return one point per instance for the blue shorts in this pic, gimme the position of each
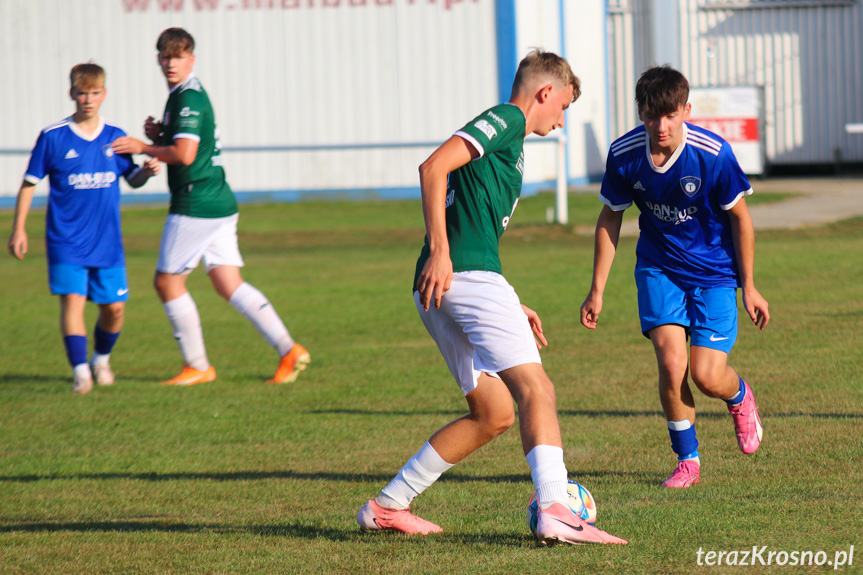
(99, 285)
(709, 315)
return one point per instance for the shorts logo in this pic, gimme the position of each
(122, 292)
(690, 185)
(486, 128)
(714, 338)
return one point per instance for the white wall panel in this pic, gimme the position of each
(279, 72)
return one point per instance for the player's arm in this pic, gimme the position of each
(436, 275)
(150, 168)
(605, 241)
(181, 153)
(536, 326)
(743, 235)
(18, 243)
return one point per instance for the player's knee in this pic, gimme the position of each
(708, 379)
(114, 313)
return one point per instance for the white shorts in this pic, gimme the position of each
(480, 327)
(187, 240)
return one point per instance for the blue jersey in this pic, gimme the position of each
(685, 230)
(82, 225)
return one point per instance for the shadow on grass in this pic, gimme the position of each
(265, 475)
(587, 413)
(294, 530)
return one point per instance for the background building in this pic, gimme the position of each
(347, 97)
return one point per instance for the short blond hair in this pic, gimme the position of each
(539, 64)
(87, 76)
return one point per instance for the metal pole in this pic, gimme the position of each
(560, 194)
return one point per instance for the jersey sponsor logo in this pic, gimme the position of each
(217, 161)
(497, 119)
(187, 111)
(71, 154)
(690, 185)
(93, 181)
(519, 165)
(450, 198)
(486, 128)
(108, 151)
(666, 213)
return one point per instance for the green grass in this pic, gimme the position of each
(241, 477)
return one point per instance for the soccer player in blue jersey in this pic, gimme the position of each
(82, 231)
(696, 247)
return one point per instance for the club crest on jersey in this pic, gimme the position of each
(108, 151)
(690, 185)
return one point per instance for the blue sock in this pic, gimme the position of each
(104, 340)
(738, 397)
(683, 440)
(76, 349)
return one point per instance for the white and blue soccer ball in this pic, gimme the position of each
(581, 502)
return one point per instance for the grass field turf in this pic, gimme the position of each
(241, 477)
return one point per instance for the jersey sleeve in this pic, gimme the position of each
(191, 108)
(731, 183)
(494, 129)
(38, 166)
(614, 192)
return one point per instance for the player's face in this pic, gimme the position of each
(554, 106)
(88, 101)
(176, 67)
(666, 132)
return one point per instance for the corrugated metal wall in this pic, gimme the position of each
(280, 73)
(806, 56)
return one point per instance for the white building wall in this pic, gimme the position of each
(805, 55)
(295, 74)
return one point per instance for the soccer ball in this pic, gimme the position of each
(580, 501)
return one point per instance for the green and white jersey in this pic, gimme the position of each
(482, 195)
(200, 189)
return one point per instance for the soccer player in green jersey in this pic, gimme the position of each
(202, 220)
(470, 187)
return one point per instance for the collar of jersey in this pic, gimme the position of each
(673, 157)
(183, 84)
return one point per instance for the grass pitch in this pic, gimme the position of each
(241, 477)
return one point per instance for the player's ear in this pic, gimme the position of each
(687, 111)
(544, 93)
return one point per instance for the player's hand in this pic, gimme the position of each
(153, 129)
(756, 307)
(590, 310)
(152, 167)
(18, 244)
(536, 326)
(435, 280)
(127, 145)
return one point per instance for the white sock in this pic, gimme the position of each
(100, 359)
(256, 308)
(82, 370)
(416, 476)
(549, 474)
(183, 315)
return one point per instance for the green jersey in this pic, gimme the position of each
(482, 195)
(200, 189)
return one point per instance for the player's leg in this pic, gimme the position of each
(69, 283)
(109, 289)
(675, 395)
(713, 337)
(223, 262)
(184, 240)
(75, 340)
(663, 309)
(491, 413)
(541, 440)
